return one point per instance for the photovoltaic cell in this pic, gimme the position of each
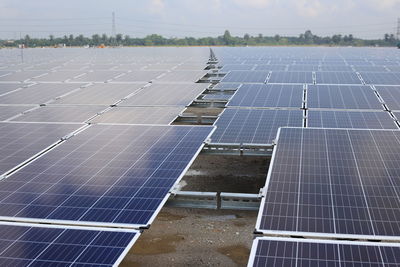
(39, 93)
(191, 76)
(390, 95)
(297, 252)
(381, 78)
(253, 126)
(291, 77)
(350, 119)
(218, 96)
(98, 76)
(139, 115)
(7, 112)
(100, 94)
(342, 97)
(139, 76)
(8, 87)
(58, 76)
(271, 67)
(245, 77)
(230, 67)
(166, 94)
(57, 113)
(267, 95)
(333, 77)
(107, 174)
(20, 141)
(45, 245)
(333, 183)
(21, 76)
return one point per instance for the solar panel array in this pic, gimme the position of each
(295, 252)
(47, 245)
(85, 139)
(334, 178)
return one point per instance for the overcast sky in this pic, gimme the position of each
(178, 18)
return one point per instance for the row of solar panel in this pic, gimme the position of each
(303, 77)
(310, 96)
(260, 126)
(311, 66)
(188, 76)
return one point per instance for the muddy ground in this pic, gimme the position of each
(195, 237)
(200, 237)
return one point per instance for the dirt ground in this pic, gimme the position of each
(234, 174)
(195, 237)
(200, 237)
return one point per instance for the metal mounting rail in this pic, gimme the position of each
(214, 200)
(209, 103)
(199, 119)
(238, 149)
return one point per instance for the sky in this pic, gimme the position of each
(198, 18)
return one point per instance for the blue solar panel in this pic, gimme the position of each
(350, 119)
(291, 77)
(390, 95)
(268, 95)
(342, 97)
(269, 251)
(253, 126)
(230, 67)
(246, 77)
(381, 78)
(47, 245)
(333, 183)
(271, 67)
(337, 78)
(105, 174)
(21, 141)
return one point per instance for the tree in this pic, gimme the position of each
(118, 38)
(246, 38)
(336, 39)
(27, 40)
(277, 38)
(96, 39)
(227, 38)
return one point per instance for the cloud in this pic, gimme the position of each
(253, 3)
(310, 8)
(383, 4)
(156, 6)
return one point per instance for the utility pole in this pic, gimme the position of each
(398, 29)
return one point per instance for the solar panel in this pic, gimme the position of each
(98, 76)
(20, 141)
(56, 113)
(253, 126)
(8, 87)
(166, 94)
(269, 251)
(340, 68)
(350, 119)
(100, 94)
(7, 112)
(139, 115)
(230, 67)
(333, 183)
(390, 95)
(342, 97)
(381, 78)
(245, 77)
(48, 245)
(38, 93)
(337, 78)
(139, 76)
(105, 175)
(21, 76)
(371, 68)
(302, 68)
(226, 86)
(183, 76)
(267, 95)
(291, 77)
(58, 76)
(271, 67)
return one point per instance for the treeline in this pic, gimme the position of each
(307, 38)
